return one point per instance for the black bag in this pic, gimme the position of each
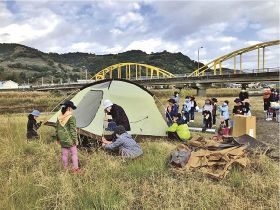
(180, 158)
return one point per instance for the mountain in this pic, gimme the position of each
(21, 63)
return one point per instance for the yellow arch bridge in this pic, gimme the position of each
(138, 71)
(132, 71)
(216, 65)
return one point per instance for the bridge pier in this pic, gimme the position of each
(201, 89)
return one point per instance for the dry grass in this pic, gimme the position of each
(16, 102)
(31, 177)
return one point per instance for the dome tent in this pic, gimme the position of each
(138, 103)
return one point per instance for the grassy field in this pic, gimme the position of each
(31, 177)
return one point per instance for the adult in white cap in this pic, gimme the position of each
(118, 114)
(32, 125)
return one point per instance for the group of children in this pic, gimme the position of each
(211, 110)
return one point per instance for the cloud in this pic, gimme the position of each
(115, 26)
(152, 45)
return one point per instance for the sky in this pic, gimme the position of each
(104, 27)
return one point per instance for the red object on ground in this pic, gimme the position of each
(226, 131)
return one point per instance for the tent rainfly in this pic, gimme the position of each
(138, 103)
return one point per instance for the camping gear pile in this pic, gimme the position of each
(215, 157)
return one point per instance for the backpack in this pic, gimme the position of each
(180, 158)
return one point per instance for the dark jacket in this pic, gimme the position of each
(237, 110)
(32, 127)
(119, 116)
(169, 115)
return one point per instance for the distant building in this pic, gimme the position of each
(8, 85)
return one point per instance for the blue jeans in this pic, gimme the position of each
(111, 126)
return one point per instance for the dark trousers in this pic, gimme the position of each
(173, 135)
(207, 122)
(214, 119)
(266, 104)
(192, 113)
(226, 121)
(187, 116)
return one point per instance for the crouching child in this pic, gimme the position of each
(179, 130)
(124, 143)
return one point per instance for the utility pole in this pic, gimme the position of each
(52, 80)
(42, 81)
(61, 81)
(198, 57)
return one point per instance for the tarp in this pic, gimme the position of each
(138, 103)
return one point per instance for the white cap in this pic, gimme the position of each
(107, 103)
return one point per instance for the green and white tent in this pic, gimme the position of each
(138, 103)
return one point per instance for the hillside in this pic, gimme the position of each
(21, 63)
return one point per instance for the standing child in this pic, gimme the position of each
(187, 109)
(214, 111)
(171, 110)
(193, 108)
(32, 125)
(224, 113)
(67, 134)
(207, 114)
(176, 97)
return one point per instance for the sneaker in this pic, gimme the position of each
(191, 120)
(214, 126)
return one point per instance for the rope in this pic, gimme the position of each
(48, 112)
(140, 120)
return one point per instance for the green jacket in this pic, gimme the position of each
(67, 134)
(182, 130)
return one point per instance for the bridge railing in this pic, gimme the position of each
(244, 71)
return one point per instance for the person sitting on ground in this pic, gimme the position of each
(66, 132)
(207, 114)
(243, 94)
(124, 143)
(118, 114)
(32, 125)
(179, 130)
(186, 110)
(214, 102)
(171, 110)
(224, 113)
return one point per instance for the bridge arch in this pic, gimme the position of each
(132, 71)
(216, 64)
